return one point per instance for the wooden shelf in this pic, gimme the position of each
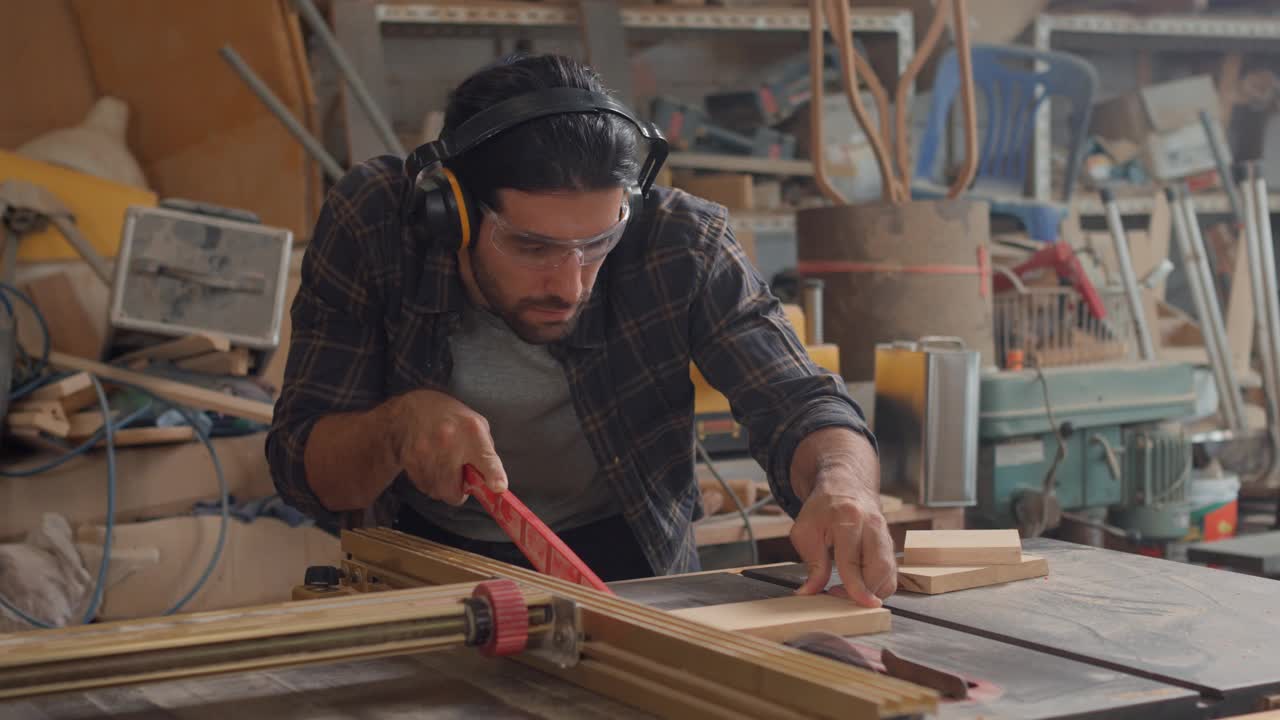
(1088, 204)
(739, 163)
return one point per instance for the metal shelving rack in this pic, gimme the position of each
(1180, 32)
(479, 15)
(524, 14)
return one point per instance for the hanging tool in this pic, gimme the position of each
(896, 184)
(1186, 232)
(1062, 258)
(1146, 349)
(545, 550)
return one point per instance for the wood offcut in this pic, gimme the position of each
(962, 547)
(783, 618)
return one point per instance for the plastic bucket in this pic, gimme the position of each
(1215, 505)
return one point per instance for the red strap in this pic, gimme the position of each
(547, 552)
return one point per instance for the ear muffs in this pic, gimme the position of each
(445, 206)
(448, 211)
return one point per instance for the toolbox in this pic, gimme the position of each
(185, 268)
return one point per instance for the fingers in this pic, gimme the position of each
(434, 459)
(849, 561)
(879, 564)
(811, 544)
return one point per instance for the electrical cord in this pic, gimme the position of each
(107, 432)
(746, 520)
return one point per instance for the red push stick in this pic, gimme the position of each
(547, 552)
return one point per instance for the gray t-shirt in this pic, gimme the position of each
(522, 391)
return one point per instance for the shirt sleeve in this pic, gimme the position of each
(744, 345)
(337, 347)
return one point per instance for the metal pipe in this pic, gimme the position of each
(1203, 293)
(1146, 349)
(813, 288)
(321, 29)
(277, 108)
(1263, 319)
(1220, 159)
(1179, 222)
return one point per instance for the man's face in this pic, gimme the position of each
(540, 304)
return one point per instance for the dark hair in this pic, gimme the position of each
(576, 151)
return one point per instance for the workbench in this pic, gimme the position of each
(1106, 634)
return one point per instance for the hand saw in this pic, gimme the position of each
(546, 551)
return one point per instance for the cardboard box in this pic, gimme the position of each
(733, 190)
(156, 563)
(1164, 120)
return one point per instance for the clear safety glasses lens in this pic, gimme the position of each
(542, 252)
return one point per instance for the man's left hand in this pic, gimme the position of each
(841, 520)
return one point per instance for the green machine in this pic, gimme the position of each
(1127, 461)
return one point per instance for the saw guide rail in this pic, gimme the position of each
(655, 660)
(638, 655)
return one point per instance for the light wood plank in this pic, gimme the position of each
(182, 393)
(72, 392)
(936, 580)
(962, 547)
(231, 362)
(179, 348)
(781, 619)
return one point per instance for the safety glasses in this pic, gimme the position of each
(545, 253)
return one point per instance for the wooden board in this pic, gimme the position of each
(195, 127)
(72, 392)
(179, 348)
(783, 618)
(189, 395)
(962, 547)
(229, 362)
(936, 580)
(739, 163)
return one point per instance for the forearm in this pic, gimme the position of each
(350, 458)
(836, 454)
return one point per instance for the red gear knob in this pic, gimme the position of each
(510, 617)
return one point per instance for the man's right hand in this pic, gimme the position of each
(434, 436)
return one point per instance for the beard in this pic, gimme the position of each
(514, 311)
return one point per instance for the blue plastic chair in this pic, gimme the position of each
(1011, 90)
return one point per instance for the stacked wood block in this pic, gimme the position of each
(203, 352)
(939, 561)
(67, 411)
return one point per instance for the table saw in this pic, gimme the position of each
(1106, 634)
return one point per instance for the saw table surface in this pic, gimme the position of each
(1106, 634)
(1207, 630)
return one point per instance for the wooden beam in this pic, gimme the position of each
(783, 618)
(177, 392)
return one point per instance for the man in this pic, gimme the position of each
(549, 348)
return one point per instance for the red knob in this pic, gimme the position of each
(510, 617)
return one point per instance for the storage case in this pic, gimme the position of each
(181, 272)
(926, 420)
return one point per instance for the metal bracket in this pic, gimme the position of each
(562, 645)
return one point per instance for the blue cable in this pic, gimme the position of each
(108, 431)
(99, 586)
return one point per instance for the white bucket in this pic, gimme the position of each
(1214, 500)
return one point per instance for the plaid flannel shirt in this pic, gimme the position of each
(379, 300)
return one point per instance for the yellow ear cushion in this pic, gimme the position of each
(464, 212)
